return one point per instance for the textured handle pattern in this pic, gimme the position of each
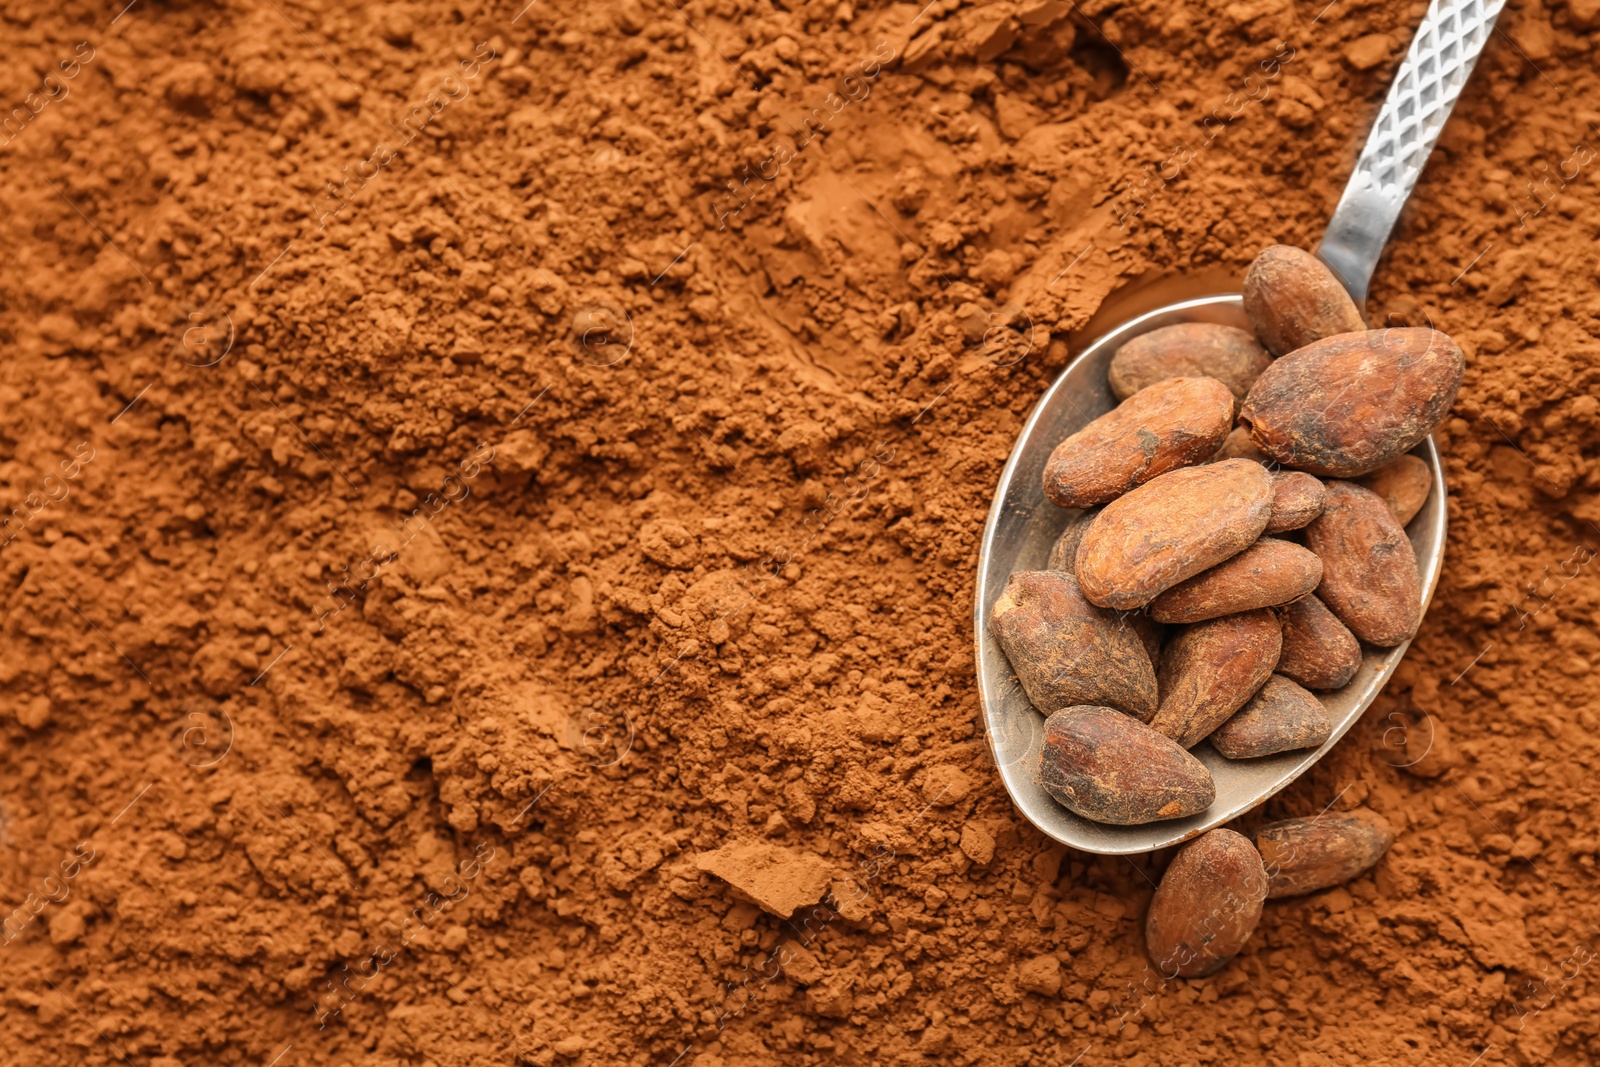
(1441, 58)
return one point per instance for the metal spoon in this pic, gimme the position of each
(1023, 525)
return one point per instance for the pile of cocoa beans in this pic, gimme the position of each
(1238, 533)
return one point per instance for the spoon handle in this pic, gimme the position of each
(1442, 55)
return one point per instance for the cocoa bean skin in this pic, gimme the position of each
(1207, 905)
(1065, 550)
(1066, 651)
(1282, 717)
(1237, 445)
(1168, 425)
(1349, 404)
(1188, 350)
(1210, 669)
(1111, 768)
(1268, 573)
(1403, 484)
(1172, 528)
(1151, 633)
(1369, 569)
(1292, 299)
(1319, 651)
(1297, 498)
(1305, 855)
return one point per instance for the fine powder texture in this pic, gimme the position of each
(491, 499)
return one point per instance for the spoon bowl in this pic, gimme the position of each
(1022, 527)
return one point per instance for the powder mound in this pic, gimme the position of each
(777, 879)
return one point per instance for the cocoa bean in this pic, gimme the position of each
(1292, 299)
(1305, 855)
(1065, 551)
(1349, 404)
(1188, 350)
(1403, 485)
(1112, 768)
(1297, 498)
(1268, 573)
(1281, 717)
(1207, 905)
(1210, 669)
(1319, 651)
(1369, 570)
(1172, 528)
(1067, 651)
(1169, 425)
(1237, 445)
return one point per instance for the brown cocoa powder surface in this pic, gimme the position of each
(743, 441)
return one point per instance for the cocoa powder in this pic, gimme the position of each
(688, 607)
